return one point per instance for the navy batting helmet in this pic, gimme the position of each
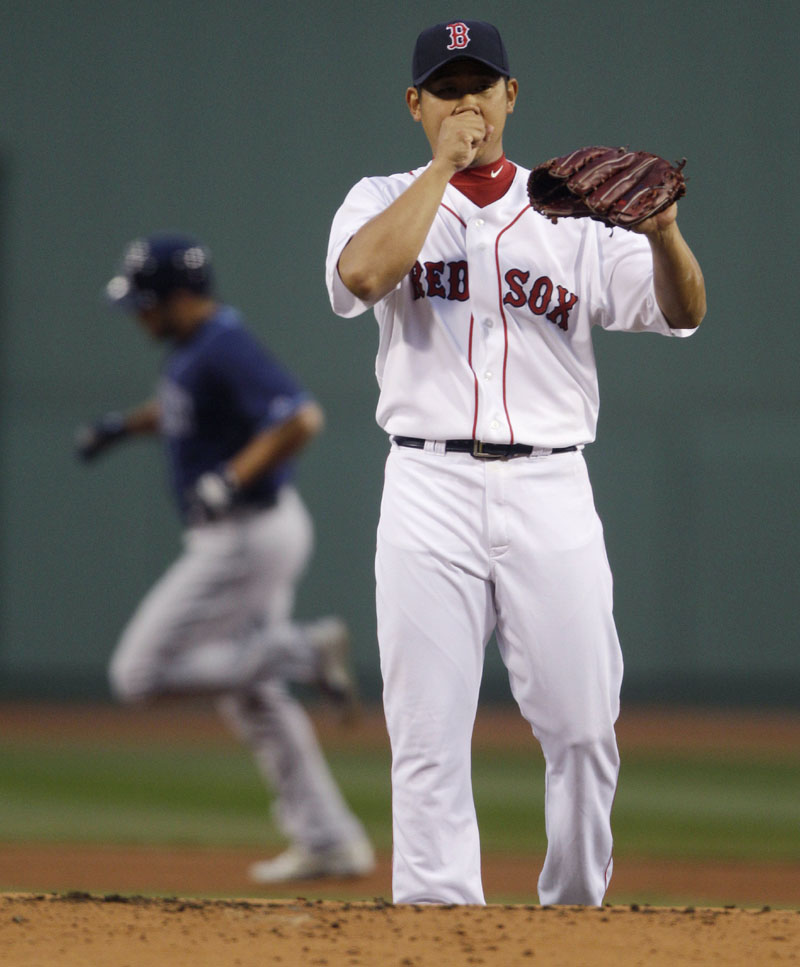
(155, 267)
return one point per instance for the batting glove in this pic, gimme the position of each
(93, 438)
(212, 496)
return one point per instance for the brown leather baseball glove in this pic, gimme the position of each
(612, 185)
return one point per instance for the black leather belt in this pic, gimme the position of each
(483, 451)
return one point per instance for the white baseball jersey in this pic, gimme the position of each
(489, 337)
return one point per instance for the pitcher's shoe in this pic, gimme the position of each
(331, 640)
(298, 863)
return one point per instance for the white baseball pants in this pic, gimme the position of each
(466, 547)
(219, 623)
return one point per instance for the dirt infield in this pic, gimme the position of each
(80, 930)
(121, 923)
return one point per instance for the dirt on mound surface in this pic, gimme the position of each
(84, 930)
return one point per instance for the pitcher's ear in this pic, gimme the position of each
(413, 97)
(512, 89)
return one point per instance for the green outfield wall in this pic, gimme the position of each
(246, 123)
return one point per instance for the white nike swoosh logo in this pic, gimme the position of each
(494, 174)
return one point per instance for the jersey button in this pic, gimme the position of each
(487, 374)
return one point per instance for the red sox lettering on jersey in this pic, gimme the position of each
(450, 280)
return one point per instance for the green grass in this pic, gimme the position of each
(169, 794)
(713, 808)
(722, 808)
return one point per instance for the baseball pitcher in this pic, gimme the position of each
(488, 393)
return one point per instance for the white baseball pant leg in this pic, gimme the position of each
(222, 611)
(224, 606)
(309, 807)
(464, 545)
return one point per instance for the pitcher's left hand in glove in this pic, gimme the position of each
(612, 185)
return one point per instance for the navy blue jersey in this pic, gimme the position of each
(218, 389)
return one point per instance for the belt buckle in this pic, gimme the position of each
(480, 454)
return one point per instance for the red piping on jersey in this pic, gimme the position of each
(474, 375)
(503, 315)
(448, 209)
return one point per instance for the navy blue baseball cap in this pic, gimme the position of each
(457, 40)
(155, 267)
